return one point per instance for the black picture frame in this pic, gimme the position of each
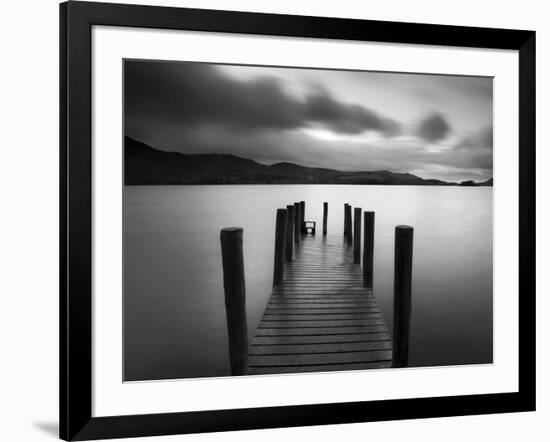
(76, 21)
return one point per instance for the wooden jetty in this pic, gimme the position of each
(320, 317)
(322, 314)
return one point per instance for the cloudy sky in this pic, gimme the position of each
(431, 125)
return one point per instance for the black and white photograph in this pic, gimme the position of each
(276, 220)
(283, 220)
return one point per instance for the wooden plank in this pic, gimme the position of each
(332, 282)
(320, 323)
(324, 298)
(316, 261)
(325, 284)
(349, 285)
(320, 305)
(320, 279)
(318, 311)
(311, 304)
(319, 368)
(326, 307)
(328, 298)
(283, 297)
(360, 297)
(326, 294)
(313, 286)
(323, 268)
(342, 292)
(331, 288)
(317, 317)
(338, 293)
(345, 347)
(315, 271)
(323, 339)
(268, 331)
(311, 273)
(328, 265)
(320, 289)
(323, 279)
(343, 296)
(329, 358)
(313, 293)
(365, 300)
(303, 294)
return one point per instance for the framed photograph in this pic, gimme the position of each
(272, 221)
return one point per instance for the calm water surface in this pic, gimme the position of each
(174, 323)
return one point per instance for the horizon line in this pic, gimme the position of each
(301, 165)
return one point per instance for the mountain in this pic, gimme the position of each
(486, 183)
(471, 183)
(146, 165)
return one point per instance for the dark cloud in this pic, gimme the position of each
(475, 149)
(483, 139)
(191, 93)
(433, 128)
(194, 94)
(477, 88)
(347, 118)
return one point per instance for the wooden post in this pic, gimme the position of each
(368, 249)
(289, 232)
(235, 298)
(346, 222)
(280, 238)
(302, 215)
(297, 218)
(402, 295)
(357, 235)
(325, 217)
(349, 231)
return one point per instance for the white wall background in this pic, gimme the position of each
(29, 217)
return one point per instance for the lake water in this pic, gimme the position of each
(174, 324)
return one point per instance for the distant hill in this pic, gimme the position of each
(146, 165)
(471, 183)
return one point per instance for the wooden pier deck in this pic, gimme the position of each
(320, 317)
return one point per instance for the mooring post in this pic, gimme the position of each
(357, 235)
(302, 215)
(325, 217)
(297, 218)
(402, 295)
(349, 230)
(235, 298)
(368, 249)
(280, 238)
(346, 222)
(289, 232)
